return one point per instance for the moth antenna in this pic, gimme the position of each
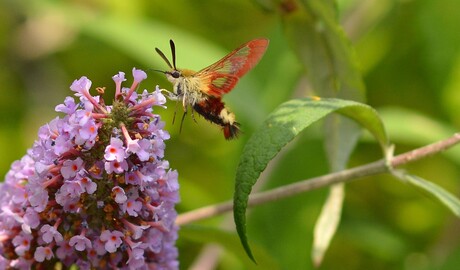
(157, 70)
(164, 58)
(173, 52)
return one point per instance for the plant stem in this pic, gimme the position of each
(344, 176)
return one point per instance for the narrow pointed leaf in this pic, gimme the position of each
(341, 137)
(281, 126)
(327, 223)
(314, 31)
(435, 191)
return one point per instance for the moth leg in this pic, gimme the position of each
(175, 111)
(184, 101)
(193, 116)
(192, 105)
(182, 121)
(170, 94)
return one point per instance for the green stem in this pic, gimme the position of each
(374, 168)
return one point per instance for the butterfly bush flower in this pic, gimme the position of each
(94, 190)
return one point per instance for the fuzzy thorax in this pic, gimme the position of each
(187, 87)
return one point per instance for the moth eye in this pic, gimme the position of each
(175, 74)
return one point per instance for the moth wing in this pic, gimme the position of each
(220, 77)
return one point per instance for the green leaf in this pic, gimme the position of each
(435, 191)
(315, 33)
(229, 240)
(341, 136)
(327, 223)
(320, 43)
(281, 126)
(313, 29)
(412, 127)
(140, 44)
(136, 36)
(408, 126)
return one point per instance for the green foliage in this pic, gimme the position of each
(406, 53)
(449, 200)
(281, 127)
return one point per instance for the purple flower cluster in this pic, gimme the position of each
(94, 190)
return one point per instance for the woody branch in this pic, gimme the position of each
(374, 168)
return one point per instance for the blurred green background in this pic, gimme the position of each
(408, 54)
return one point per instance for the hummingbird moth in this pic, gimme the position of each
(203, 90)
